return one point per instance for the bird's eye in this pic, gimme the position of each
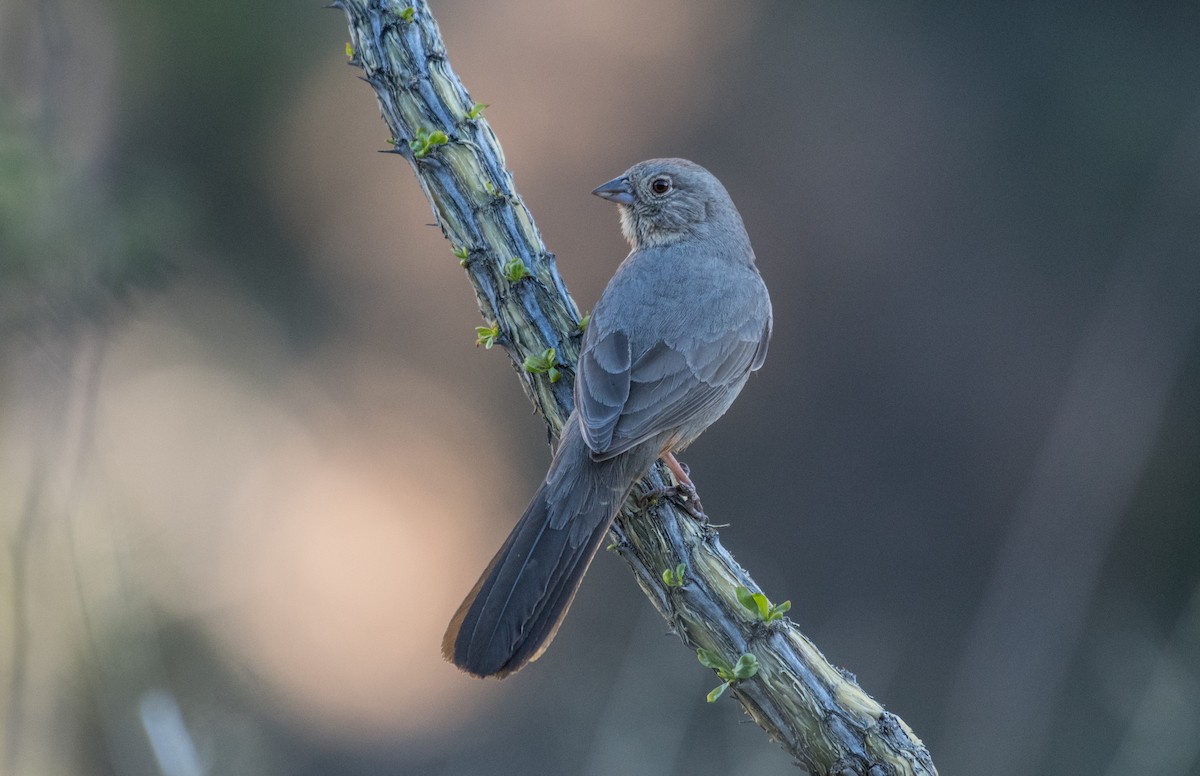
(660, 185)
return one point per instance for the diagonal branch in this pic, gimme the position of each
(817, 712)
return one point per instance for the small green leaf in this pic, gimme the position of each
(746, 598)
(515, 270)
(476, 110)
(427, 140)
(675, 577)
(717, 692)
(710, 659)
(487, 335)
(490, 188)
(746, 667)
(408, 13)
(760, 606)
(584, 321)
(544, 363)
(778, 610)
(349, 50)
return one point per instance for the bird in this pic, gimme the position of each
(674, 337)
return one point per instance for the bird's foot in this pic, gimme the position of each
(683, 496)
(683, 492)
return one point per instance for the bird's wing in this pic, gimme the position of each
(626, 396)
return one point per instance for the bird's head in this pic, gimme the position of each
(666, 201)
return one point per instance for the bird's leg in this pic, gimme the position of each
(679, 470)
(683, 492)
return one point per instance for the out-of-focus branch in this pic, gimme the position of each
(817, 712)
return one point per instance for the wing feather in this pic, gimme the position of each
(659, 390)
(649, 366)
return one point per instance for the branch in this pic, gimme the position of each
(817, 712)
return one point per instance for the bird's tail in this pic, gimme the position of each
(514, 610)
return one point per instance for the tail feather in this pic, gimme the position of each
(516, 607)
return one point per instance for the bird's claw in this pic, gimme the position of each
(682, 495)
(689, 501)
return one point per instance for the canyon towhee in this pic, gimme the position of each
(670, 344)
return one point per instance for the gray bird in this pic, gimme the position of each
(670, 344)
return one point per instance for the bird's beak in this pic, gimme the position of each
(617, 190)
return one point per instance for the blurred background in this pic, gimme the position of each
(250, 459)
